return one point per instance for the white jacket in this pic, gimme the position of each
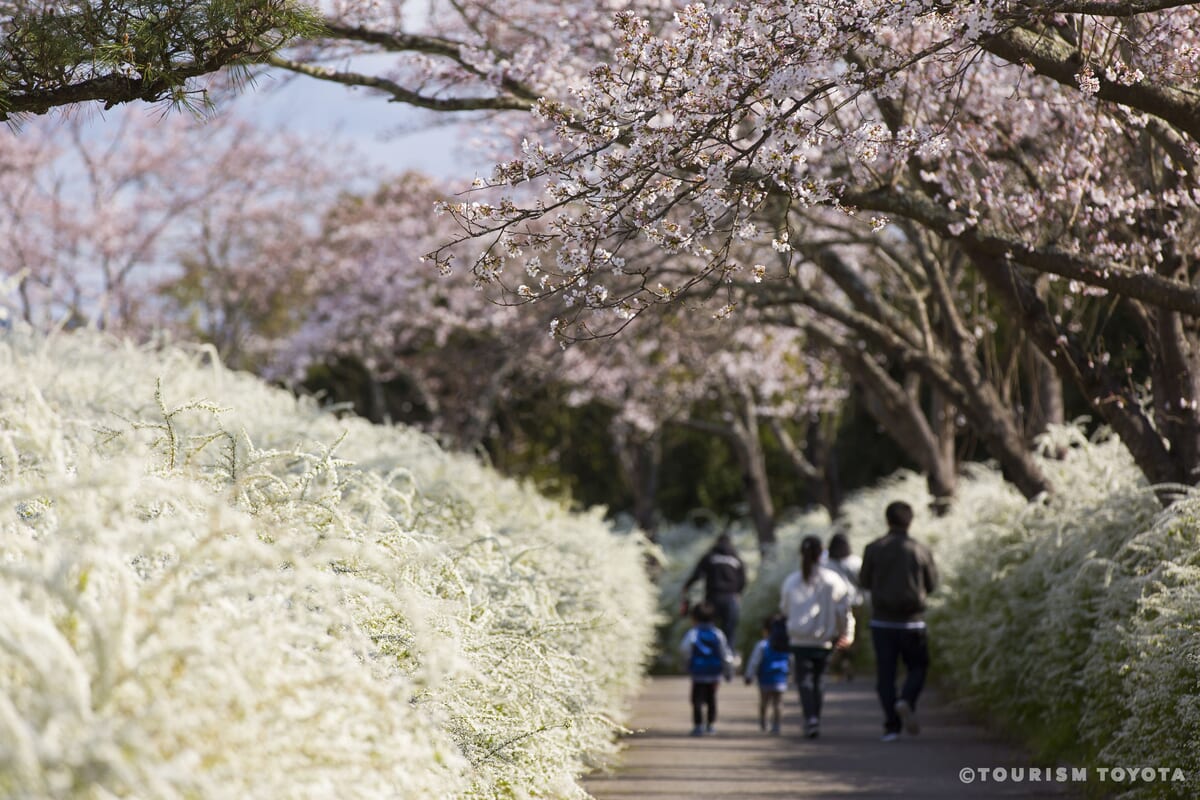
(818, 612)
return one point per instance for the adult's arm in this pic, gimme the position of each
(784, 592)
(929, 568)
(697, 573)
(844, 606)
(751, 668)
(867, 571)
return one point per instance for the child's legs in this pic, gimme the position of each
(704, 694)
(775, 698)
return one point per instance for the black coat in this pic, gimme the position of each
(722, 570)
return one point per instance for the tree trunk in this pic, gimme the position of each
(640, 457)
(757, 488)
(813, 472)
(992, 420)
(1109, 396)
(953, 369)
(821, 444)
(900, 414)
(941, 414)
(1045, 394)
(1176, 391)
(748, 449)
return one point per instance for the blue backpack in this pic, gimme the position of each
(773, 669)
(707, 660)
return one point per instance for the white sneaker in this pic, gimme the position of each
(889, 737)
(908, 717)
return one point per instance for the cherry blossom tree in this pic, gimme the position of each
(373, 303)
(731, 378)
(1052, 144)
(910, 323)
(147, 223)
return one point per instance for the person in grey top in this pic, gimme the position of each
(899, 573)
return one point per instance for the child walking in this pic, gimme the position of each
(768, 665)
(708, 658)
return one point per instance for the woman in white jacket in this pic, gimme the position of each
(816, 601)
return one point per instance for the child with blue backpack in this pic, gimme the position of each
(769, 665)
(709, 659)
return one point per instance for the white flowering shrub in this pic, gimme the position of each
(211, 589)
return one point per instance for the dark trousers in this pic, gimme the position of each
(910, 646)
(704, 694)
(810, 672)
(728, 608)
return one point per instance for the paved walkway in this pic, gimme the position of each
(848, 762)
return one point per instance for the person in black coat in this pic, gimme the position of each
(899, 572)
(724, 577)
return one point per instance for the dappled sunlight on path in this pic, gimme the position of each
(740, 762)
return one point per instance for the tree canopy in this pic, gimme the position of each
(971, 208)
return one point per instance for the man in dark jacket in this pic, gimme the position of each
(899, 572)
(724, 579)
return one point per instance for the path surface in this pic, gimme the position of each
(848, 762)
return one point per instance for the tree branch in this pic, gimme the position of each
(1149, 287)
(400, 94)
(1058, 60)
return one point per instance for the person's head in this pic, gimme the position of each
(768, 622)
(839, 546)
(810, 554)
(724, 544)
(899, 515)
(703, 613)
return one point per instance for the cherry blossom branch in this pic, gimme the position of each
(1062, 62)
(400, 94)
(1107, 8)
(1149, 287)
(398, 42)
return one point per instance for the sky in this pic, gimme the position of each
(392, 135)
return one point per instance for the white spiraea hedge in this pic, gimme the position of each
(211, 589)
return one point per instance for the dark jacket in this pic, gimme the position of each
(722, 570)
(899, 572)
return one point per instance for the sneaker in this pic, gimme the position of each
(812, 728)
(697, 731)
(890, 736)
(775, 731)
(908, 717)
(709, 731)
